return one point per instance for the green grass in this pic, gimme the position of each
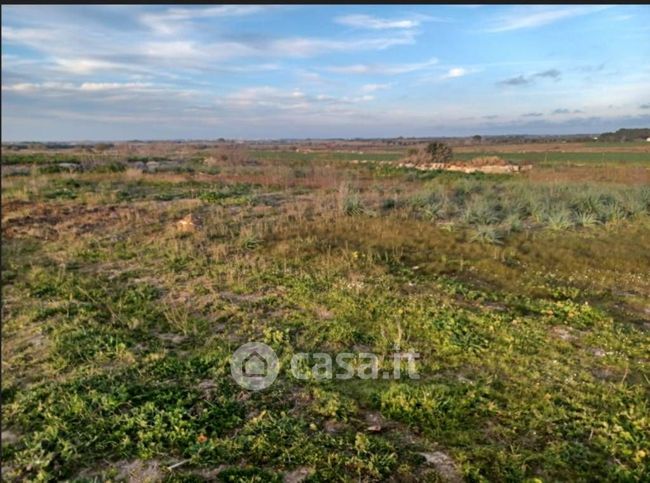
(555, 158)
(527, 302)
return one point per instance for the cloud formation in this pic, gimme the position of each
(566, 111)
(249, 70)
(455, 72)
(383, 69)
(371, 22)
(532, 17)
(522, 80)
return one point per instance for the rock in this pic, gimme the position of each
(598, 352)
(152, 166)
(173, 338)
(188, 224)
(140, 471)
(444, 466)
(333, 426)
(375, 422)
(298, 475)
(9, 437)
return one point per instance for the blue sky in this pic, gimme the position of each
(251, 72)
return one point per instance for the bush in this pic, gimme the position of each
(439, 152)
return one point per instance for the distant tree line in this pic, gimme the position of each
(623, 135)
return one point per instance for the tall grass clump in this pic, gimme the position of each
(487, 234)
(559, 220)
(348, 200)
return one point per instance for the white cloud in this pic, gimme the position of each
(455, 72)
(386, 69)
(105, 86)
(27, 35)
(69, 87)
(252, 99)
(174, 19)
(306, 46)
(531, 17)
(375, 23)
(85, 66)
(31, 87)
(374, 87)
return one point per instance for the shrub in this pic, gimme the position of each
(439, 152)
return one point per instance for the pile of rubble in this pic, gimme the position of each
(465, 168)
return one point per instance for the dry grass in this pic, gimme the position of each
(629, 175)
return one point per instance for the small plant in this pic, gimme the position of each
(348, 200)
(479, 211)
(612, 213)
(513, 223)
(487, 234)
(559, 220)
(586, 219)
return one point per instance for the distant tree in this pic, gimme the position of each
(477, 138)
(439, 152)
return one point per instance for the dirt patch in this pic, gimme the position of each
(298, 475)
(444, 466)
(50, 221)
(562, 333)
(132, 471)
(141, 471)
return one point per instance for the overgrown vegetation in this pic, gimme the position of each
(527, 301)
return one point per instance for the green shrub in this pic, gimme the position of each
(439, 152)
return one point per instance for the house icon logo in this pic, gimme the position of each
(254, 366)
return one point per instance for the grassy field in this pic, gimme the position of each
(528, 298)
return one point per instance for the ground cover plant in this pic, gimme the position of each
(126, 290)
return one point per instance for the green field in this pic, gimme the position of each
(528, 303)
(554, 158)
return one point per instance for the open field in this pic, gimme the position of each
(127, 287)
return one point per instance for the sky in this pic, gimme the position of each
(267, 72)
